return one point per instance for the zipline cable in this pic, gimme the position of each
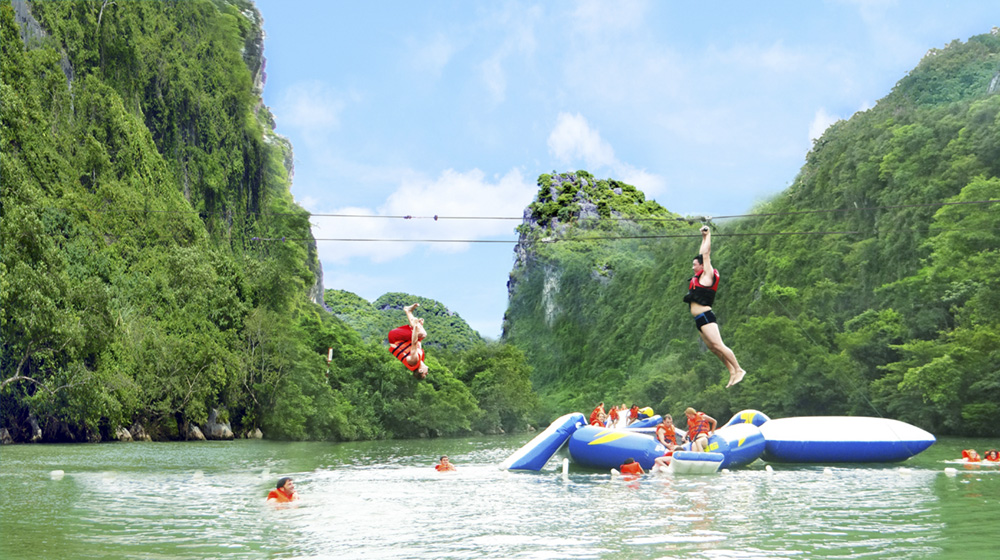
(437, 217)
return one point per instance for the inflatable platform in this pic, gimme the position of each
(690, 462)
(749, 435)
(607, 448)
(842, 439)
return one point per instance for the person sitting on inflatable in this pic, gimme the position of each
(599, 420)
(970, 455)
(666, 435)
(700, 427)
(992, 455)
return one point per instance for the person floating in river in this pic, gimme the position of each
(405, 343)
(284, 491)
(701, 294)
(631, 467)
(444, 465)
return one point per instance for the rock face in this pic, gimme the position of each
(195, 433)
(139, 433)
(5, 438)
(36, 430)
(255, 434)
(122, 434)
(215, 429)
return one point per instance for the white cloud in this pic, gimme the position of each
(517, 28)
(310, 106)
(820, 123)
(572, 140)
(432, 56)
(775, 58)
(494, 77)
(452, 194)
(601, 16)
(651, 184)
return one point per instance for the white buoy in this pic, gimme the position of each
(905, 471)
(724, 471)
(57, 474)
(769, 469)
(950, 471)
(565, 469)
(827, 471)
(198, 475)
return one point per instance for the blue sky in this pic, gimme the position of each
(454, 108)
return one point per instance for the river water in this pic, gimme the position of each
(384, 500)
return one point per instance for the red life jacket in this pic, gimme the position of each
(402, 352)
(631, 468)
(670, 436)
(703, 295)
(697, 425)
(597, 412)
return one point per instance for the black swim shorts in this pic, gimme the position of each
(704, 318)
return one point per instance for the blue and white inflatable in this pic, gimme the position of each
(842, 439)
(607, 448)
(533, 455)
(749, 435)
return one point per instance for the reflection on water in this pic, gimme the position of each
(385, 500)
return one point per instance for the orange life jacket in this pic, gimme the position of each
(970, 455)
(668, 433)
(631, 468)
(697, 425)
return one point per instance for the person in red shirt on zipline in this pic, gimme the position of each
(405, 343)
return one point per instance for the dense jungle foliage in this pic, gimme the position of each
(373, 320)
(869, 287)
(144, 280)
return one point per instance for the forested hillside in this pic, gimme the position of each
(373, 320)
(146, 276)
(868, 287)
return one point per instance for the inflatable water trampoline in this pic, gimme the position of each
(749, 435)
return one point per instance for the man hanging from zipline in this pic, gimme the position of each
(700, 296)
(405, 343)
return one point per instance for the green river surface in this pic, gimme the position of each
(384, 499)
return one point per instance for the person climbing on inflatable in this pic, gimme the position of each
(598, 410)
(700, 427)
(405, 343)
(992, 456)
(700, 297)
